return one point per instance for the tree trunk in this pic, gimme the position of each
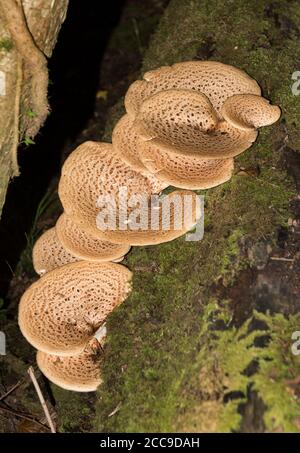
(28, 33)
(204, 342)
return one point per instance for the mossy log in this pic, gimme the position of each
(204, 342)
(28, 33)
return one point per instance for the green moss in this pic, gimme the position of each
(231, 260)
(6, 44)
(225, 357)
(217, 372)
(76, 410)
(148, 374)
(166, 365)
(278, 367)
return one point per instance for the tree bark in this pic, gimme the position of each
(205, 339)
(28, 33)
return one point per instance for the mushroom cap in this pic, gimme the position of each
(80, 373)
(85, 246)
(168, 226)
(119, 260)
(60, 312)
(185, 172)
(172, 115)
(223, 142)
(124, 141)
(93, 170)
(216, 80)
(48, 253)
(249, 111)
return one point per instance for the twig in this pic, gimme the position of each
(14, 387)
(10, 268)
(41, 398)
(115, 410)
(278, 258)
(21, 415)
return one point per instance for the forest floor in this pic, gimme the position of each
(205, 337)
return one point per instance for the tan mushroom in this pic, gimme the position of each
(183, 122)
(185, 172)
(249, 111)
(118, 260)
(170, 128)
(80, 373)
(48, 253)
(172, 115)
(85, 246)
(124, 141)
(159, 220)
(216, 80)
(60, 312)
(93, 172)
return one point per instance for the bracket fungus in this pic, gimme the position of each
(60, 312)
(216, 80)
(93, 172)
(80, 373)
(161, 220)
(173, 114)
(125, 143)
(84, 246)
(184, 125)
(247, 112)
(49, 253)
(185, 172)
(167, 121)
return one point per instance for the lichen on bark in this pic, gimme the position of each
(28, 33)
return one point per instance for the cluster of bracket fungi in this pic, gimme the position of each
(183, 126)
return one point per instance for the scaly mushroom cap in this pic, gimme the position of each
(60, 312)
(48, 253)
(85, 246)
(172, 115)
(80, 373)
(160, 224)
(216, 80)
(93, 170)
(183, 122)
(223, 142)
(124, 141)
(248, 111)
(185, 172)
